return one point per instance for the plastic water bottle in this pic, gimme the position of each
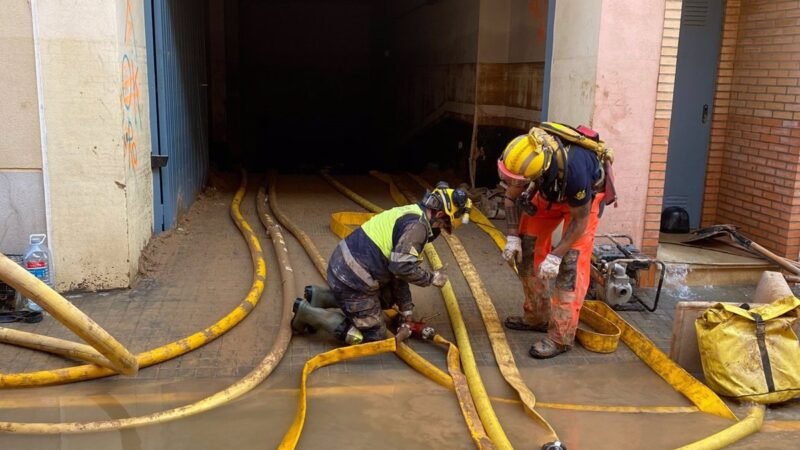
(37, 262)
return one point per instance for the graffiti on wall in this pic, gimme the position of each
(130, 96)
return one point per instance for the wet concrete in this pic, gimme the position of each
(369, 403)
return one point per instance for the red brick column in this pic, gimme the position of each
(658, 152)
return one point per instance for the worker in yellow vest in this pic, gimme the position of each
(370, 270)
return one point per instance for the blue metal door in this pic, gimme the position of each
(690, 128)
(176, 44)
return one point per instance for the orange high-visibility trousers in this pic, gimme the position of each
(559, 303)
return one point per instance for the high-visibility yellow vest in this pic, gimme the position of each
(380, 228)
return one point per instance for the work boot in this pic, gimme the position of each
(330, 320)
(320, 297)
(519, 323)
(547, 348)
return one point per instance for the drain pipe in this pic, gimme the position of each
(232, 392)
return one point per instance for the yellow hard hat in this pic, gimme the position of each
(453, 202)
(527, 156)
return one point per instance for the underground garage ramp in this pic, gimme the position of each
(349, 84)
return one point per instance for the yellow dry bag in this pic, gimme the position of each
(751, 354)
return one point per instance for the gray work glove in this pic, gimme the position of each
(439, 277)
(513, 250)
(548, 269)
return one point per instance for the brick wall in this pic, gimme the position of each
(658, 154)
(755, 146)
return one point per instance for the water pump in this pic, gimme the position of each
(616, 272)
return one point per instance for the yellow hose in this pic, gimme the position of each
(739, 430)
(476, 387)
(704, 398)
(334, 356)
(55, 346)
(174, 349)
(120, 359)
(232, 392)
(316, 257)
(465, 401)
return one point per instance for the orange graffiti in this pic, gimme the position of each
(538, 12)
(130, 86)
(129, 144)
(128, 22)
(130, 95)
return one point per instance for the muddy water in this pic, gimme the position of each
(369, 409)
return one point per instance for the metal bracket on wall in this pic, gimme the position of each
(158, 161)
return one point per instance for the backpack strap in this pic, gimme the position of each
(555, 183)
(761, 338)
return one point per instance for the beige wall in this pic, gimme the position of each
(606, 59)
(133, 99)
(98, 146)
(22, 205)
(19, 118)
(574, 60)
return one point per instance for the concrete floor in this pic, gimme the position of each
(197, 273)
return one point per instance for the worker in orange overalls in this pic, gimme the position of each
(550, 181)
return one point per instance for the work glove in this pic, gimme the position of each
(513, 250)
(439, 277)
(407, 316)
(548, 269)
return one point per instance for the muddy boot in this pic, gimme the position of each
(330, 320)
(546, 348)
(320, 297)
(519, 323)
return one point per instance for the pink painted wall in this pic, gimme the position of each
(625, 99)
